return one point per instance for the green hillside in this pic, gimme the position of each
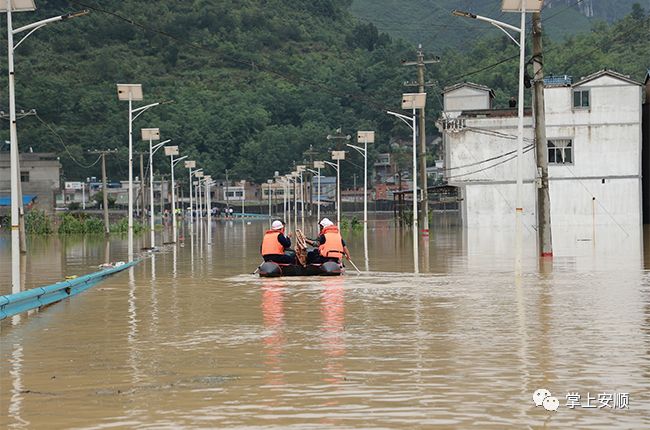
(430, 21)
(255, 84)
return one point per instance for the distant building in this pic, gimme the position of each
(466, 96)
(39, 178)
(593, 130)
(384, 168)
(327, 188)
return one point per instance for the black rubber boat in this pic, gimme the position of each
(269, 269)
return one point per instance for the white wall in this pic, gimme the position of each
(606, 145)
(466, 98)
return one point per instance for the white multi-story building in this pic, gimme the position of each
(593, 131)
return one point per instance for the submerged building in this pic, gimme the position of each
(594, 141)
(39, 179)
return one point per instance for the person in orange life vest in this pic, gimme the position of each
(275, 243)
(331, 246)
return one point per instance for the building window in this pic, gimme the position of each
(24, 176)
(560, 151)
(580, 99)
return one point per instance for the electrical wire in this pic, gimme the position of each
(487, 160)
(529, 148)
(85, 166)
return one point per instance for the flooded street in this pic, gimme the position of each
(189, 338)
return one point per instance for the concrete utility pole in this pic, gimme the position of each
(311, 152)
(142, 190)
(543, 197)
(107, 228)
(421, 84)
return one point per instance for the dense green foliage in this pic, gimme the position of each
(38, 222)
(122, 226)
(431, 23)
(80, 224)
(255, 84)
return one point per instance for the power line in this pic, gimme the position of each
(66, 146)
(529, 148)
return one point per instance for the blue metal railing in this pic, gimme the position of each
(13, 304)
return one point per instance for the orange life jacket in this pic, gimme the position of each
(270, 243)
(333, 246)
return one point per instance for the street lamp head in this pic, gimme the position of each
(74, 14)
(19, 6)
(366, 136)
(414, 101)
(462, 13)
(522, 5)
(134, 90)
(150, 134)
(338, 155)
(171, 150)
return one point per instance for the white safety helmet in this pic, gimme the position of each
(277, 225)
(325, 222)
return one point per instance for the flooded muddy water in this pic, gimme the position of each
(189, 338)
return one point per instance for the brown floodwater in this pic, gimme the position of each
(189, 338)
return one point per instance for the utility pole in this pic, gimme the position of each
(310, 152)
(142, 193)
(354, 176)
(421, 84)
(107, 228)
(543, 197)
(21, 209)
(227, 197)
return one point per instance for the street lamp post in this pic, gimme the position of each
(301, 169)
(207, 181)
(413, 101)
(199, 201)
(131, 93)
(318, 165)
(151, 134)
(366, 137)
(285, 192)
(17, 220)
(294, 179)
(268, 190)
(243, 198)
(191, 164)
(171, 151)
(521, 7)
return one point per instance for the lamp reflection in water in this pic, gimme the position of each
(274, 325)
(132, 338)
(333, 314)
(16, 372)
(154, 298)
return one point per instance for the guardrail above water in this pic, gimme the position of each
(13, 304)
